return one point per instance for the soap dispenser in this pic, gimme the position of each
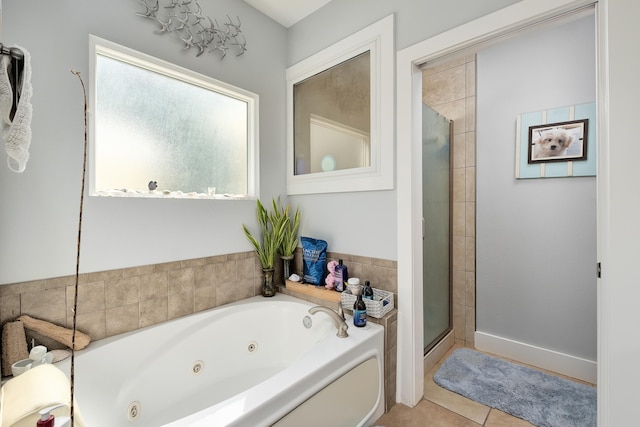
(48, 420)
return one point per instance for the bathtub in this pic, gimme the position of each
(259, 362)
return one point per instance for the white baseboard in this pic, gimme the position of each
(571, 366)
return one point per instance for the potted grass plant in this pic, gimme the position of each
(272, 229)
(290, 238)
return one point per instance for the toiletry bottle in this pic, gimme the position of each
(359, 311)
(342, 276)
(46, 417)
(48, 420)
(367, 292)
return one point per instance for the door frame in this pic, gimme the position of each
(524, 14)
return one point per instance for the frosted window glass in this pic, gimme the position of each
(151, 127)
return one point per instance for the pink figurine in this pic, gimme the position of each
(331, 277)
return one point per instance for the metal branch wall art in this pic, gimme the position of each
(184, 18)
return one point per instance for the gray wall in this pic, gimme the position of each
(536, 238)
(40, 207)
(366, 223)
(39, 214)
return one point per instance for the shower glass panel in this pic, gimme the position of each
(436, 206)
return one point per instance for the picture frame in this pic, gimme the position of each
(558, 142)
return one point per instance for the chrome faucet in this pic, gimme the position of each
(338, 319)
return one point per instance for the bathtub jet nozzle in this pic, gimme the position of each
(339, 321)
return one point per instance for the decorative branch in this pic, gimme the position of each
(75, 296)
(184, 19)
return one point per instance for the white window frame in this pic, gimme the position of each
(99, 46)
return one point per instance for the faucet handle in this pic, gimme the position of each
(340, 310)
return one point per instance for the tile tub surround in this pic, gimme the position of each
(117, 301)
(383, 275)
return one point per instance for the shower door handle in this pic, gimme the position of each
(424, 228)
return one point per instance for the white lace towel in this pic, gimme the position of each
(16, 133)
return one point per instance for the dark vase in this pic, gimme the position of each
(286, 267)
(268, 287)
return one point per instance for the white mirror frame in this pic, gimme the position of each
(378, 39)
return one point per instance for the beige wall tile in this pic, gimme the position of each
(61, 282)
(441, 66)
(121, 319)
(470, 219)
(459, 148)
(245, 289)
(154, 311)
(459, 218)
(470, 184)
(91, 298)
(9, 308)
(180, 304)
(101, 276)
(459, 322)
(154, 285)
(246, 268)
(205, 298)
(446, 86)
(459, 287)
(458, 253)
(356, 269)
(46, 305)
(470, 148)
(138, 271)
(380, 277)
(470, 254)
(456, 111)
(226, 271)
(180, 281)
(226, 294)
(470, 284)
(167, 266)
(386, 263)
(204, 276)
(470, 79)
(190, 263)
(122, 291)
(23, 288)
(459, 185)
(91, 323)
(470, 114)
(470, 326)
(216, 259)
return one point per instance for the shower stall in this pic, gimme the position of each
(436, 225)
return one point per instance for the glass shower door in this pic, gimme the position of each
(436, 205)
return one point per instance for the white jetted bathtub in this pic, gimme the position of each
(259, 362)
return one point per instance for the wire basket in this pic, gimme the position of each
(381, 304)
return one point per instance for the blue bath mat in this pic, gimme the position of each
(542, 399)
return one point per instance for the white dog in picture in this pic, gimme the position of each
(552, 143)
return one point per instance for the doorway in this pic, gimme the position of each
(462, 40)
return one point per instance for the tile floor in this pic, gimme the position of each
(443, 408)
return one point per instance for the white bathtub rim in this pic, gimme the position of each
(282, 403)
(284, 400)
(190, 320)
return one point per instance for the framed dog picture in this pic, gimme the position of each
(558, 142)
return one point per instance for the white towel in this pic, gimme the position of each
(16, 134)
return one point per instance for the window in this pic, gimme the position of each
(160, 130)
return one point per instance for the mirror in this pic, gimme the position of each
(331, 118)
(340, 115)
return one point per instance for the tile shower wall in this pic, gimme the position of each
(450, 89)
